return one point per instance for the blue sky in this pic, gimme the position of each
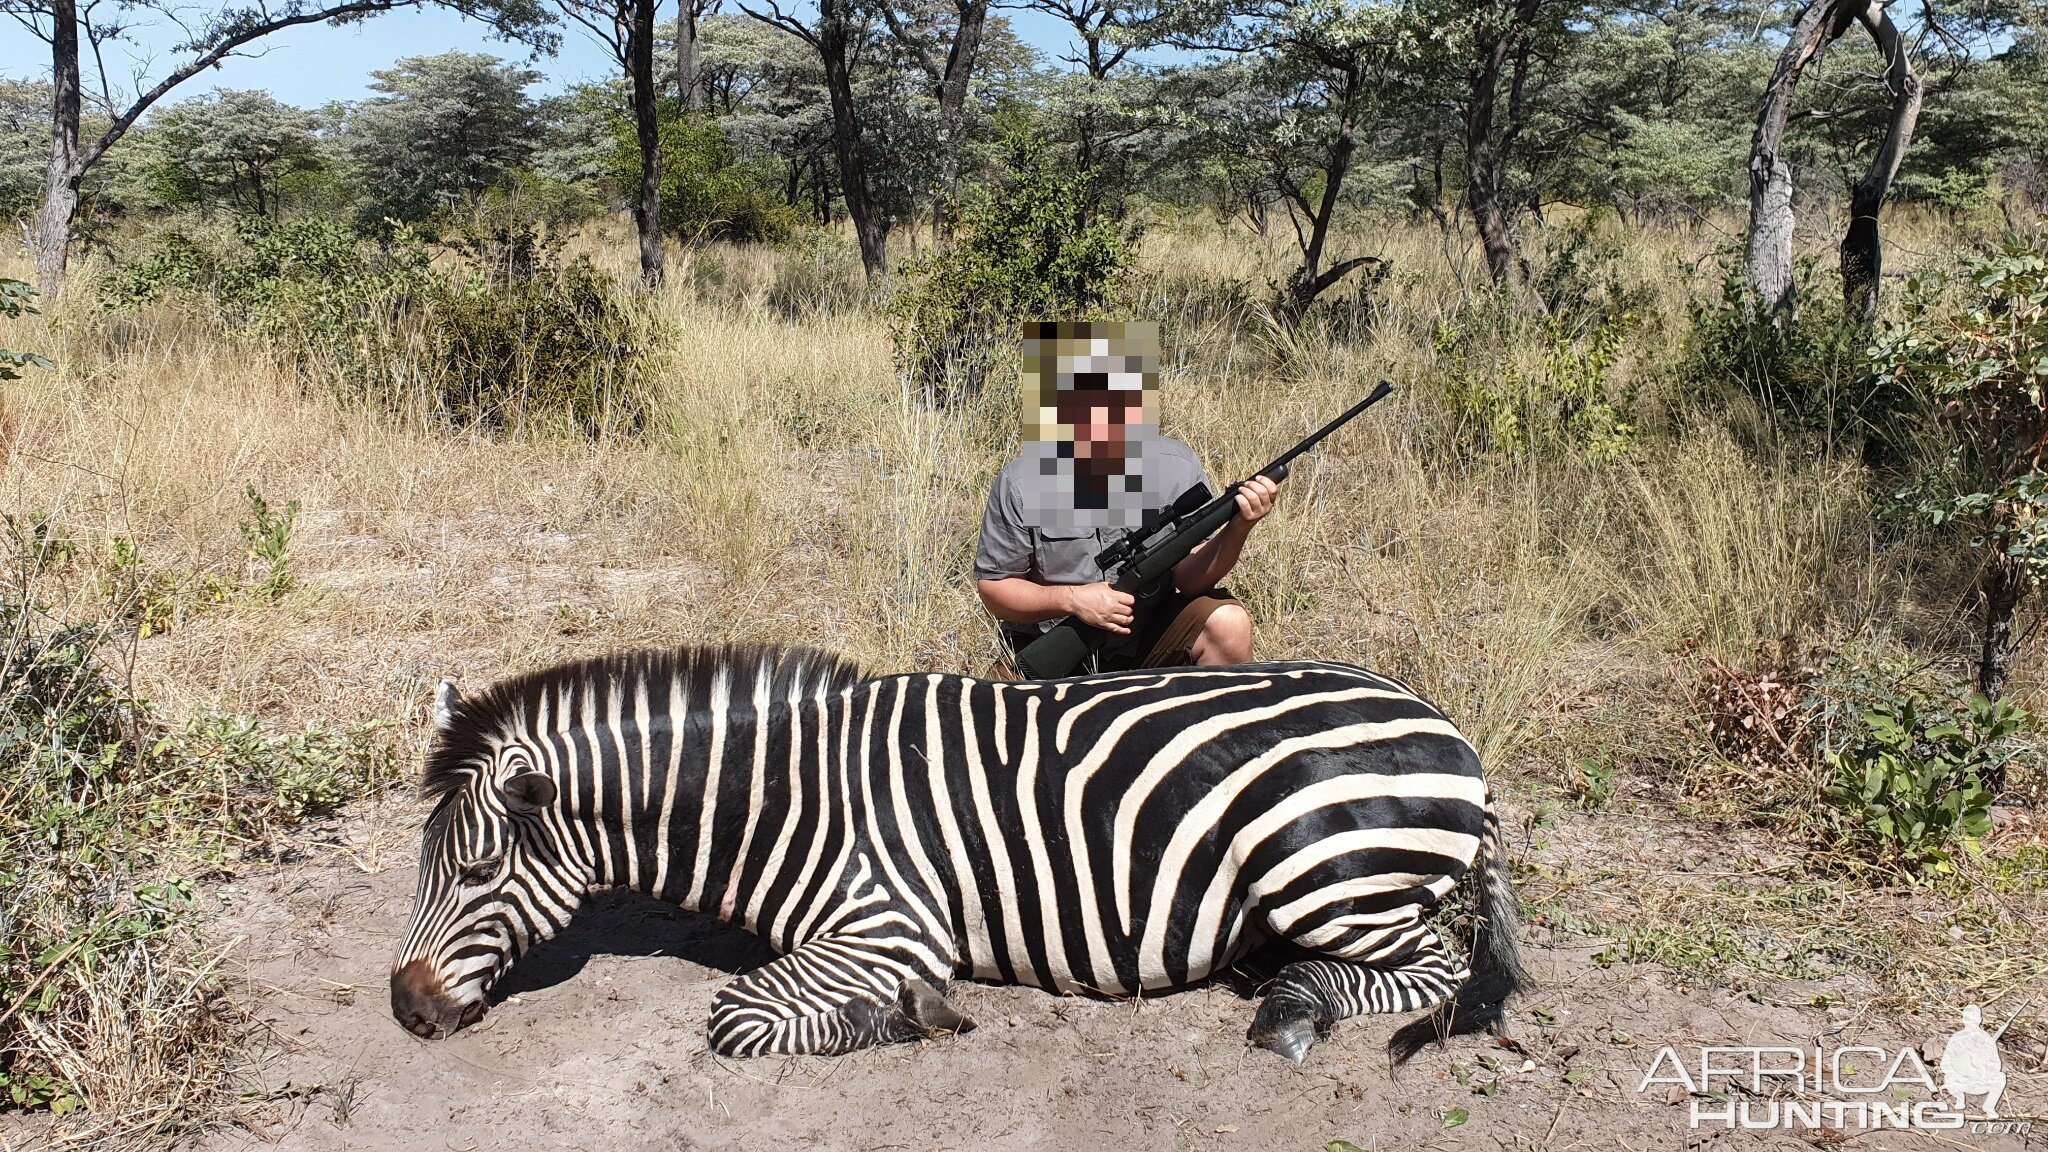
(314, 64)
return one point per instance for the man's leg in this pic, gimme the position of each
(1212, 628)
(1226, 636)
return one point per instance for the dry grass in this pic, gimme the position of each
(787, 488)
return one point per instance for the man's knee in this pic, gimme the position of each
(1226, 636)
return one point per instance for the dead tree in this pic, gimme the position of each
(1767, 254)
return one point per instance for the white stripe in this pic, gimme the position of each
(1200, 822)
(1170, 757)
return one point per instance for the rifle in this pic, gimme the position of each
(1192, 518)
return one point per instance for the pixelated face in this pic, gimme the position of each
(1091, 405)
(1092, 385)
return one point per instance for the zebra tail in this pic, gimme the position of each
(1480, 1003)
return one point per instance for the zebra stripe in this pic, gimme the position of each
(1108, 834)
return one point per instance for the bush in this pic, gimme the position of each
(706, 192)
(512, 339)
(1807, 371)
(1024, 248)
(106, 999)
(1912, 763)
(1561, 404)
(14, 297)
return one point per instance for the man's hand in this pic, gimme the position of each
(1102, 606)
(1255, 499)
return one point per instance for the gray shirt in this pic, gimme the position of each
(1038, 547)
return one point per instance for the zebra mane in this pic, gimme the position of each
(481, 718)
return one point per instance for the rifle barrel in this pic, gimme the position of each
(1277, 470)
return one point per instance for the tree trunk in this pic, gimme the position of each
(1862, 249)
(953, 95)
(1486, 154)
(870, 224)
(1312, 280)
(647, 126)
(60, 185)
(689, 58)
(2004, 584)
(1767, 253)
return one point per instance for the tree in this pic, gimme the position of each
(1767, 253)
(69, 27)
(1310, 91)
(689, 52)
(944, 45)
(24, 137)
(1104, 104)
(834, 35)
(444, 127)
(231, 147)
(627, 28)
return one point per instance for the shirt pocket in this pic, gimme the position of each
(1067, 555)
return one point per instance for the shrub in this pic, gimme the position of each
(1559, 405)
(14, 297)
(1806, 371)
(1986, 366)
(512, 339)
(707, 193)
(1026, 247)
(1911, 763)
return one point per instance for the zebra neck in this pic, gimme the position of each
(704, 813)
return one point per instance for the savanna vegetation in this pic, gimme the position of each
(1707, 495)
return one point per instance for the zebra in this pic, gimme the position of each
(1107, 835)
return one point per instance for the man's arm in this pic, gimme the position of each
(1207, 565)
(1018, 600)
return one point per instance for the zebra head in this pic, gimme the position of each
(494, 877)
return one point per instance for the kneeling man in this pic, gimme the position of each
(1093, 463)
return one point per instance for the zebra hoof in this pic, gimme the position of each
(928, 1009)
(1285, 1028)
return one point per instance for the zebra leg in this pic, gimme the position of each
(833, 995)
(1308, 997)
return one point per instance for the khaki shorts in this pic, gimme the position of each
(1166, 638)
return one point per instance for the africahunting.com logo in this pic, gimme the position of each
(1854, 1087)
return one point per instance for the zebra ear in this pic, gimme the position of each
(529, 792)
(445, 700)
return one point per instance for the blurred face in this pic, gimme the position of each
(1099, 417)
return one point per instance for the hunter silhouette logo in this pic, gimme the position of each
(1857, 1087)
(1970, 1063)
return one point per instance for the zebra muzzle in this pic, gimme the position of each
(423, 1006)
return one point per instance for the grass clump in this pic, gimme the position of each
(109, 1002)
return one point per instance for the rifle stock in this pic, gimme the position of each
(1064, 646)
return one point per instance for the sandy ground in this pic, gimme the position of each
(598, 1043)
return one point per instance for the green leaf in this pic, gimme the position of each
(1455, 1117)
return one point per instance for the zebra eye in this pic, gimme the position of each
(480, 872)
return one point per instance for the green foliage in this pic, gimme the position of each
(1911, 763)
(104, 808)
(1807, 372)
(1560, 405)
(512, 339)
(1984, 367)
(1024, 248)
(707, 193)
(445, 128)
(14, 297)
(269, 536)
